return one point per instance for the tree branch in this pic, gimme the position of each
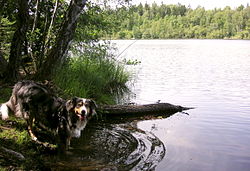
(51, 23)
(12, 153)
(57, 53)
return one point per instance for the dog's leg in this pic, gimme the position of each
(28, 112)
(68, 143)
(30, 122)
(18, 111)
(63, 138)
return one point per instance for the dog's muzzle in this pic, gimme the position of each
(83, 115)
(81, 112)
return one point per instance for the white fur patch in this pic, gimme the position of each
(4, 110)
(80, 125)
(84, 100)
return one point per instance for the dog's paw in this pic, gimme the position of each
(34, 138)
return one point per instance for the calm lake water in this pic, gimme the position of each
(211, 75)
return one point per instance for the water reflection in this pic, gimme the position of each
(108, 145)
(212, 75)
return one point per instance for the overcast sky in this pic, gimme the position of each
(208, 4)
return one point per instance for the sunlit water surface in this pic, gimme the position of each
(211, 75)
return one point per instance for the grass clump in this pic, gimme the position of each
(14, 136)
(93, 74)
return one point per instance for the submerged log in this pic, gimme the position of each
(159, 108)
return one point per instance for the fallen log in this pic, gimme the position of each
(159, 108)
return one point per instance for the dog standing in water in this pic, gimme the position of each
(37, 104)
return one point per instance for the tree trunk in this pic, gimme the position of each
(3, 64)
(17, 43)
(160, 108)
(57, 54)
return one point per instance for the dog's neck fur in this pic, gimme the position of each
(80, 125)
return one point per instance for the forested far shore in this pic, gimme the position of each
(181, 22)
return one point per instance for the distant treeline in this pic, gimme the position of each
(178, 21)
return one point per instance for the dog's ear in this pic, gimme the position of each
(70, 104)
(93, 106)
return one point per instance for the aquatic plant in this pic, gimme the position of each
(93, 72)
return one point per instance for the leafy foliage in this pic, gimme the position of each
(45, 20)
(6, 29)
(178, 21)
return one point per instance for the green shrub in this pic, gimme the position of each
(93, 74)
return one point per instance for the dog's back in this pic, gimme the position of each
(24, 93)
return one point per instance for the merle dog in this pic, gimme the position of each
(37, 104)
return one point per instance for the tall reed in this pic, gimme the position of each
(93, 73)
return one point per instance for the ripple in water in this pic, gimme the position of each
(115, 147)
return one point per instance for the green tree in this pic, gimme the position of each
(36, 35)
(137, 34)
(140, 9)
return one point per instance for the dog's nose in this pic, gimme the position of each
(83, 112)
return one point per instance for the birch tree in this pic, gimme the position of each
(43, 32)
(57, 54)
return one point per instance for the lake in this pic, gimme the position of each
(211, 75)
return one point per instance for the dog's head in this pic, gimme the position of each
(82, 109)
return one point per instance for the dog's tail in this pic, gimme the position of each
(7, 108)
(4, 111)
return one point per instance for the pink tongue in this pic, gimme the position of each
(82, 118)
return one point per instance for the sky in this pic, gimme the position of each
(208, 4)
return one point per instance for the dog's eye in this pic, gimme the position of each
(79, 105)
